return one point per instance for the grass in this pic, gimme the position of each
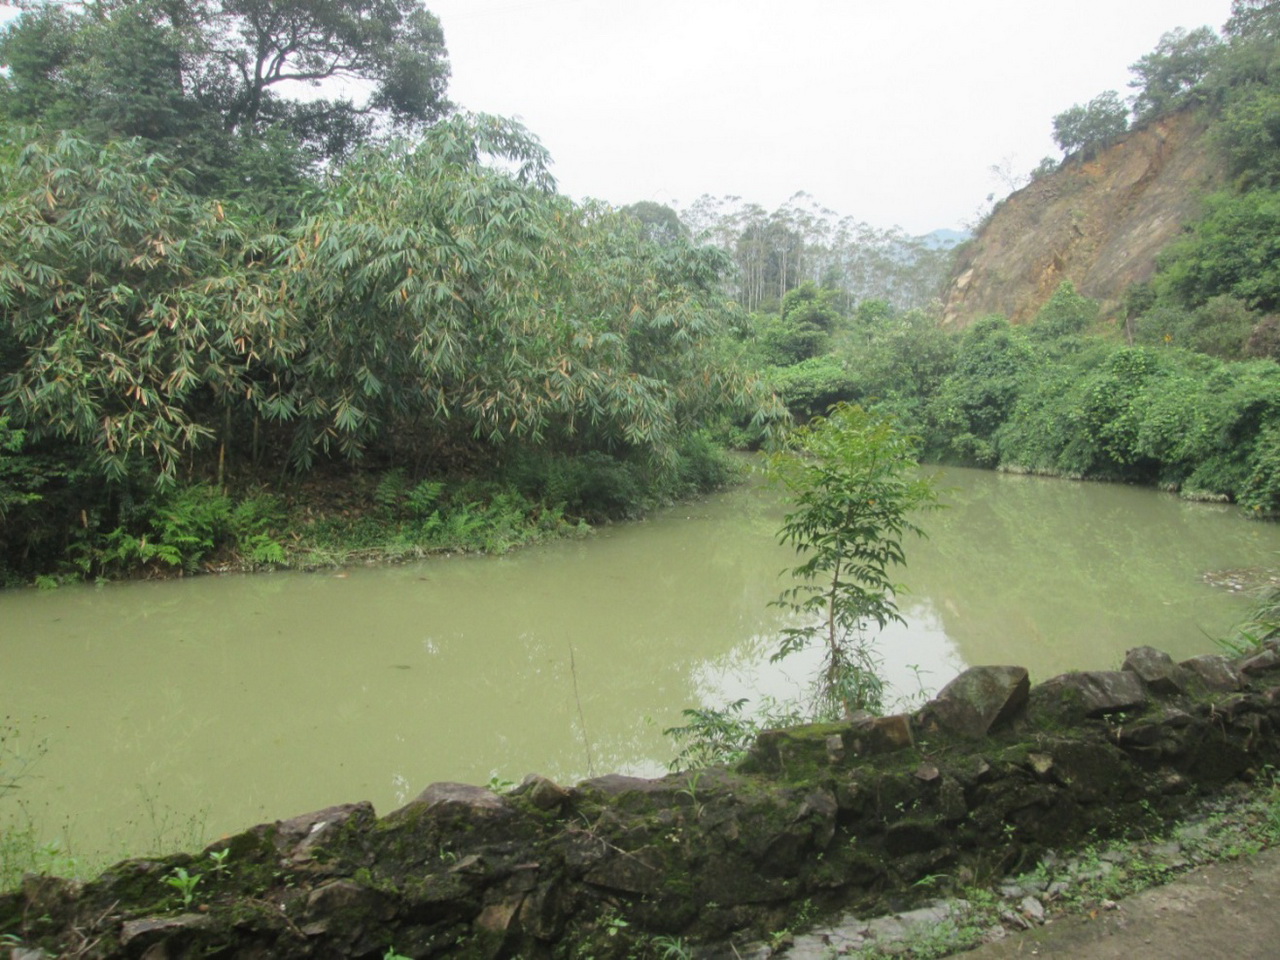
(22, 851)
(25, 844)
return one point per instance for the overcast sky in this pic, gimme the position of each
(890, 111)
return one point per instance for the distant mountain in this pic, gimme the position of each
(945, 239)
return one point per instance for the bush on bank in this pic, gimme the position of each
(347, 517)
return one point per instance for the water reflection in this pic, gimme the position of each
(258, 697)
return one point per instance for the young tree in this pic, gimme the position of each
(853, 483)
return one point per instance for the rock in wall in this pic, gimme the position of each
(979, 782)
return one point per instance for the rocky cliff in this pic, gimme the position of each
(1098, 223)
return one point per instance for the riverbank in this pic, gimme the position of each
(990, 778)
(347, 517)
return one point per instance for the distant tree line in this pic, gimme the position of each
(803, 242)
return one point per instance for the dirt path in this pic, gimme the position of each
(1224, 910)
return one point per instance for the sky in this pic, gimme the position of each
(889, 111)
(893, 112)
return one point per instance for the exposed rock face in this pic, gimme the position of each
(841, 814)
(1098, 224)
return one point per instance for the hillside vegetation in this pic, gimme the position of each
(238, 328)
(1115, 319)
(1170, 223)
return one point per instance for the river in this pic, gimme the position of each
(172, 712)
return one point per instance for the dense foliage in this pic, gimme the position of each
(217, 298)
(229, 88)
(177, 335)
(430, 307)
(1185, 392)
(1057, 397)
(1091, 126)
(1170, 77)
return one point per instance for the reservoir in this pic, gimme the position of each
(173, 712)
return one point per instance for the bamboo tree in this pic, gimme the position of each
(132, 303)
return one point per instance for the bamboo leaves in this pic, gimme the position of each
(119, 304)
(435, 292)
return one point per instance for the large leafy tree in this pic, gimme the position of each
(1091, 126)
(1169, 76)
(213, 82)
(248, 51)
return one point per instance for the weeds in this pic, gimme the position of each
(182, 531)
(671, 948)
(712, 737)
(184, 883)
(413, 521)
(1262, 624)
(22, 852)
(582, 719)
(15, 761)
(219, 858)
(691, 791)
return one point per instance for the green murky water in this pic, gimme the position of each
(217, 702)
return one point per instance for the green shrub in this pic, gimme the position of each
(1066, 313)
(1233, 250)
(255, 525)
(703, 465)
(401, 499)
(1221, 327)
(811, 387)
(994, 362)
(1260, 489)
(592, 485)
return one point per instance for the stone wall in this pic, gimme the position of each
(976, 784)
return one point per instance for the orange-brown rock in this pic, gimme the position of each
(1098, 223)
